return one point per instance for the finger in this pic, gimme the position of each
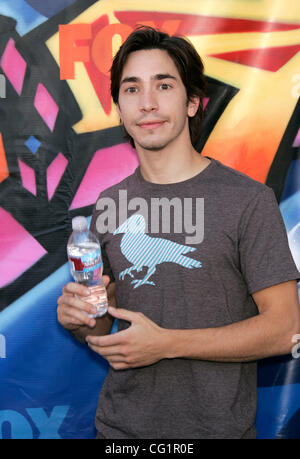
(94, 348)
(117, 361)
(109, 351)
(68, 300)
(76, 316)
(70, 321)
(107, 356)
(118, 358)
(120, 366)
(115, 339)
(111, 293)
(124, 314)
(78, 289)
(106, 280)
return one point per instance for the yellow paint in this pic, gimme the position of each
(256, 118)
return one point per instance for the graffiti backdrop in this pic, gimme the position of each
(61, 144)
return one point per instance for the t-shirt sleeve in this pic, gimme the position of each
(106, 265)
(265, 256)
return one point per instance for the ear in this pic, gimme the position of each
(119, 112)
(193, 105)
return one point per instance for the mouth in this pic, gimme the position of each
(151, 124)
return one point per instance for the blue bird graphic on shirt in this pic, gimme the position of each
(143, 250)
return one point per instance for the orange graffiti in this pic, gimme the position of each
(4, 173)
(101, 45)
(68, 53)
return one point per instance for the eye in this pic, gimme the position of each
(164, 86)
(131, 90)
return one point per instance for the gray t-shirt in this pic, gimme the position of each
(240, 247)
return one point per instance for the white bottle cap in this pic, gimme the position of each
(79, 224)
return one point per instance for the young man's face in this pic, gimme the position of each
(152, 100)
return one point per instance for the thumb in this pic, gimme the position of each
(106, 280)
(123, 314)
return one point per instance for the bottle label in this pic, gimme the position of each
(87, 262)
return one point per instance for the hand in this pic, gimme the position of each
(142, 344)
(73, 307)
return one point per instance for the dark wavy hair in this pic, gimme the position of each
(184, 56)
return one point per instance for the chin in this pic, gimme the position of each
(152, 146)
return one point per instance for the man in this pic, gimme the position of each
(193, 315)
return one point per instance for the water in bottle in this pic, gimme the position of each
(84, 254)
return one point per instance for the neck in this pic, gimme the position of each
(171, 165)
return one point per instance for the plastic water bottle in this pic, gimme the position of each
(84, 254)
(294, 243)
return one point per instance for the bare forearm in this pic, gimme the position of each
(250, 339)
(144, 342)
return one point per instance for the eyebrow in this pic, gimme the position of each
(158, 76)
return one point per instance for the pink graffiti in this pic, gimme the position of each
(297, 140)
(46, 106)
(19, 250)
(28, 177)
(54, 173)
(13, 65)
(108, 167)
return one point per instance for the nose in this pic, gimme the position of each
(148, 100)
